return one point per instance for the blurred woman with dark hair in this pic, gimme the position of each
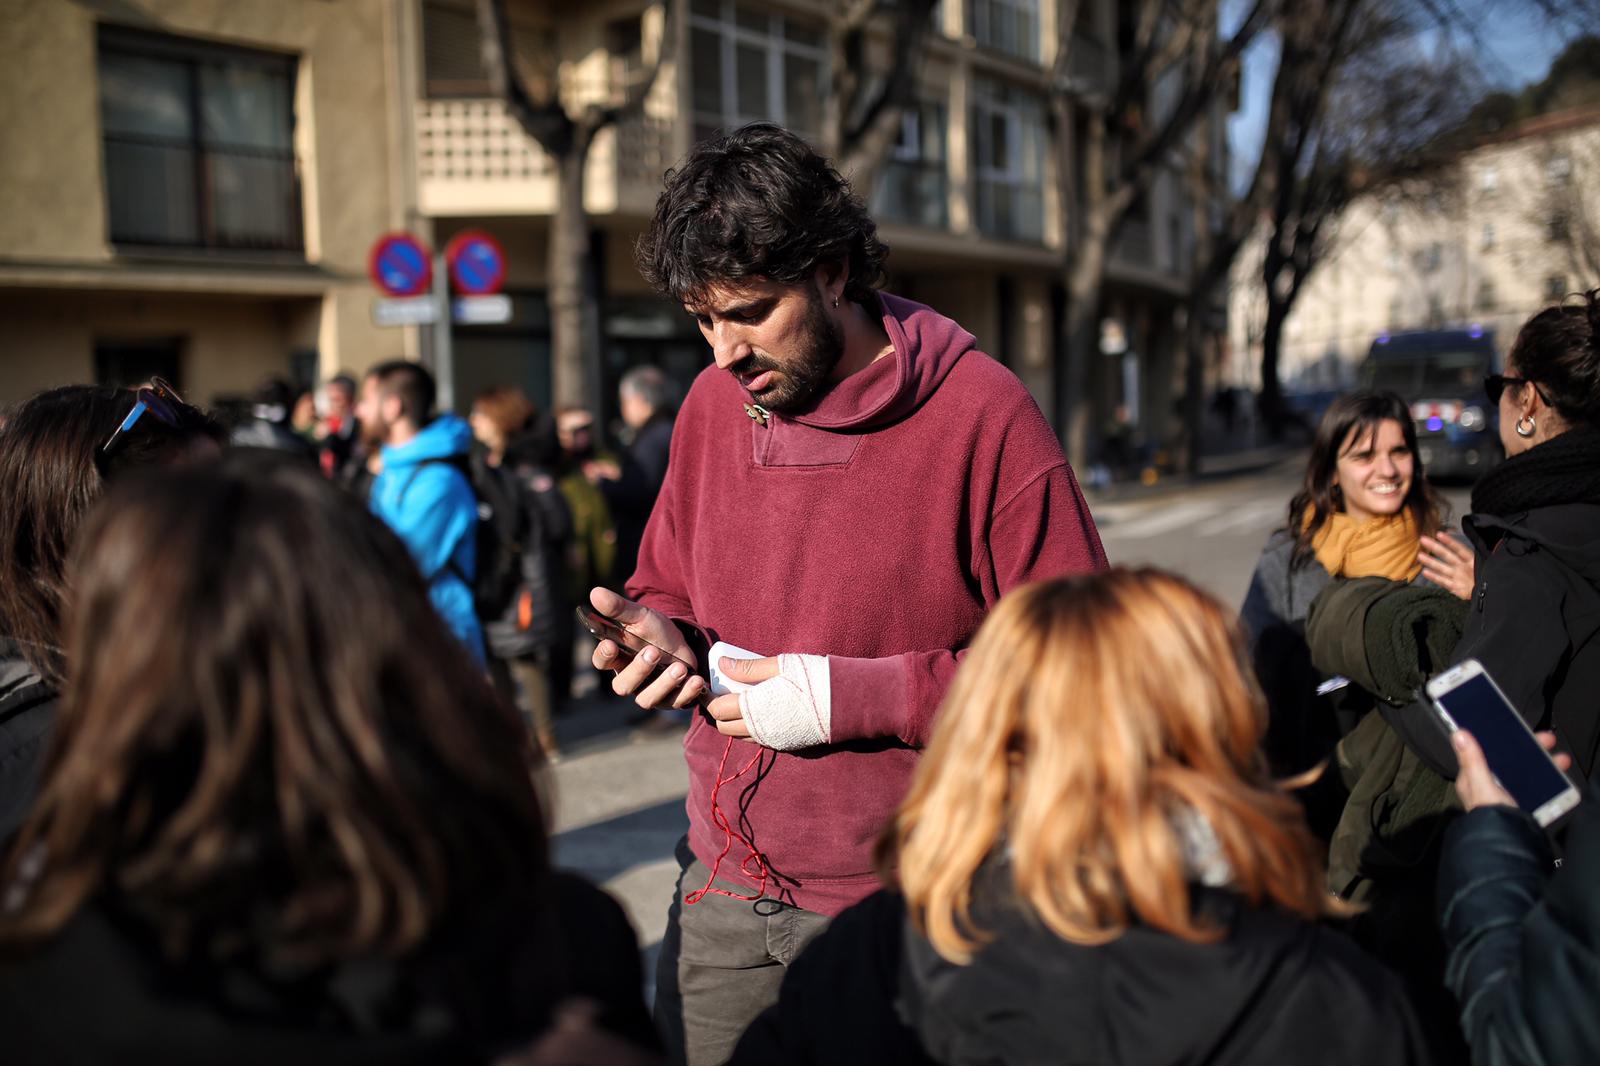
(1364, 509)
(1094, 865)
(284, 817)
(58, 452)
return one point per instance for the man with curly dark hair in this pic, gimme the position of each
(852, 486)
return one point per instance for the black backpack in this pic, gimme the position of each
(501, 536)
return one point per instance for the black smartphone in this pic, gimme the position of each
(1466, 697)
(631, 644)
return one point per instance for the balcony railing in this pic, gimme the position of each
(472, 156)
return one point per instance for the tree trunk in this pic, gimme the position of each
(1274, 412)
(1080, 343)
(574, 304)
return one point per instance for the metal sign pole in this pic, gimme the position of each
(444, 368)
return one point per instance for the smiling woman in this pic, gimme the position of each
(1364, 509)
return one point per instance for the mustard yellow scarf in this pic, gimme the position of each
(1379, 547)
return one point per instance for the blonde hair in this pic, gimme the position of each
(1090, 712)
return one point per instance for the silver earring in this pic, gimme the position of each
(1525, 433)
(836, 303)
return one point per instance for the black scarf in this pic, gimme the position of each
(1564, 469)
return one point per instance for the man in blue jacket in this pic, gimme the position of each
(422, 490)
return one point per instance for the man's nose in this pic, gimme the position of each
(728, 344)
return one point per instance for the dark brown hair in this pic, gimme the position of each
(269, 745)
(1558, 349)
(757, 203)
(1360, 413)
(412, 383)
(53, 469)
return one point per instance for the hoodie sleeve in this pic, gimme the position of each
(1044, 530)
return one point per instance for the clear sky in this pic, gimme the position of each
(1516, 38)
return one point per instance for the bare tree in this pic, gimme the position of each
(867, 98)
(1384, 124)
(1123, 146)
(566, 129)
(875, 48)
(1563, 203)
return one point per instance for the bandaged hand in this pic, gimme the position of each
(786, 706)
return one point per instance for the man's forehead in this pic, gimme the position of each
(729, 295)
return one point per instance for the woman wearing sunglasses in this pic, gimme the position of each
(285, 819)
(1534, 620)
(58, 452)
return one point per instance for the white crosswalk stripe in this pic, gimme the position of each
(1144, 519)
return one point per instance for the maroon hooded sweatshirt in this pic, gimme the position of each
(877, 528)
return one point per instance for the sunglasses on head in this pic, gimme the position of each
(157, 399)
(1495, 386)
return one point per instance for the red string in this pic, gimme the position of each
(729, 834)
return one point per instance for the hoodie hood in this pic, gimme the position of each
(446, 437)
(927, 345)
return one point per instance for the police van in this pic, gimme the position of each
(1440, 374)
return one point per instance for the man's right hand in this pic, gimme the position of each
(675, 687)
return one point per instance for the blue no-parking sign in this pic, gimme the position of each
(477, 263)
(400, 265)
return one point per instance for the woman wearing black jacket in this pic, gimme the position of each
(1524, 938)
(1534, 620)
(1094, 866)
(285, 818)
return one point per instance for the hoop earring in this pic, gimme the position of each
(1525, 433)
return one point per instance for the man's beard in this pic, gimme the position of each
(801, 377)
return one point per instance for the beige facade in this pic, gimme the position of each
(193, 186)
(968, 203)
(1518, 229)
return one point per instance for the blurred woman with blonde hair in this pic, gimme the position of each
(1094, 866)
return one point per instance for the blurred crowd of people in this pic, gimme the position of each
(275, 702)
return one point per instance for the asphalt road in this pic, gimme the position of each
(617, 798)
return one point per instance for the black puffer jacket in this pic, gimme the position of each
(1524, 945)
(1274, 990)
(27, 711)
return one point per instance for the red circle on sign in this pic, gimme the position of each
(400, 265)
(477, 263)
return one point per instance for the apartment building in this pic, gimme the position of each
(1515, 229)
(968, 201)
(191, 188)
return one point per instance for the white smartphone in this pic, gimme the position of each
(1466, 697)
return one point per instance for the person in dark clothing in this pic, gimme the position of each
(516, 456)
(1365, 509)
(325, 843)
(269, 425)
(58, 452)
(1524, 938)
(632, 486)
(1093, 865)
(1535, 616)
(339, 451)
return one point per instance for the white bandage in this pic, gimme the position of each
(793, 710)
